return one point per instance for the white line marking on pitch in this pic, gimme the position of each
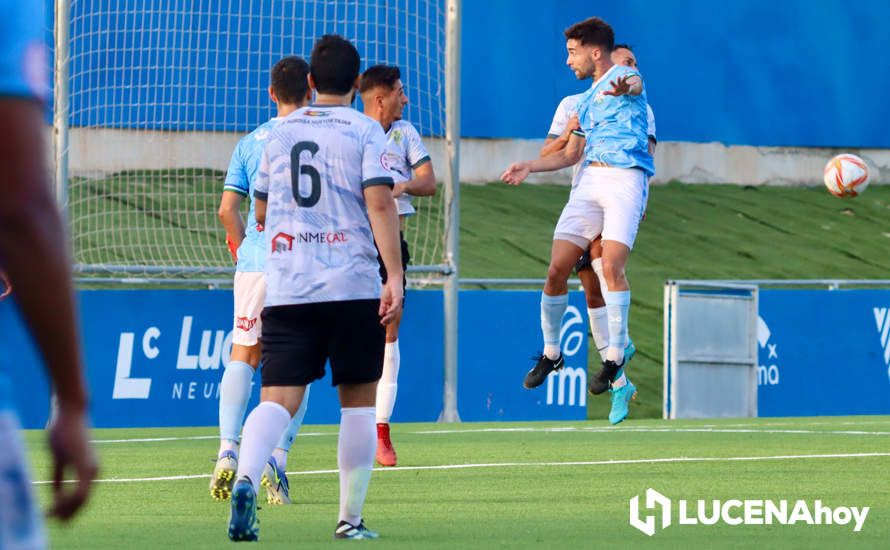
(183, 438)
(521, 465)
(558, 429)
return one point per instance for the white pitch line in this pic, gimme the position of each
(522, 465)
(184, 438)
(556, 429)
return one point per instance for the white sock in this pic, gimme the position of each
(355, 458)
(552, 310)
(388, 386)
(597, 265)
(617, 306)
(620, 381)
(234, 393)
(599, 328)
(261, 430)
(287, 438)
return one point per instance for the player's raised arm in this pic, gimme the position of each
(563, 158)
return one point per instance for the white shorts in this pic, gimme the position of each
(21, 522)
(250, 293)
(605, 201)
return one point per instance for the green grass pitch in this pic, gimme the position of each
(691, 232)
(506, 485)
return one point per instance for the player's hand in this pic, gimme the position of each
(619, 86)
(391, 300)
(69, 443)
(233, 248)
(7, 285)
(398, 190)
(515, 173)
(573, 124)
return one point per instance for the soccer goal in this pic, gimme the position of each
(151, 98)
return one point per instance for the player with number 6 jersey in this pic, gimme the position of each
(324, 195)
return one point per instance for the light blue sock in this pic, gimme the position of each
(552, 310)
(234, 393)
(287, 438)
(617, 308)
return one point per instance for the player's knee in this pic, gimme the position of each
(613, 271)
(557, 274)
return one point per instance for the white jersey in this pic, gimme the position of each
(313, 173)
(568, 108)
(405, 152)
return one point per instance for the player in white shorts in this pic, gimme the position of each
(608, 198)
(384, 99)
(33, 248)
(590, 268)
(289, 90)
(324, 193)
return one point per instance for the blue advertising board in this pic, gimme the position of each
(156, 357)
(823, 352)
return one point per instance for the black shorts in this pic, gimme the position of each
(298, 340)
(584, 262)
(406, 257)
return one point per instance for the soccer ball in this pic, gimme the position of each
(846, 175)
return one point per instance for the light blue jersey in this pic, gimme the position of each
(616, 128)
(23, 52)
(240, 178)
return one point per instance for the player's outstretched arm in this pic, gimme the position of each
(626, 85)
(230, 216)
(385, 224)
(34, 251)
(422, 185)
(565, 157)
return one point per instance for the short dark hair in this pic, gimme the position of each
(289, 80)
(379, 75)
(592, 32)
(334, 65)
(623, 47)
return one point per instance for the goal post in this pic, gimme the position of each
(151, 98)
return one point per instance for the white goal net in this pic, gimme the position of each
(160, 91)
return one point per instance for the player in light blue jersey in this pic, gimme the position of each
(590, 267)
(608, 197)
(289, 91)
(33, 249)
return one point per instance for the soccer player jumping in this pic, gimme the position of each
(608, 199)
(590, 267)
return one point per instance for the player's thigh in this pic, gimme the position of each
(623, 204)
(294, 345)
(580, 222)
(21, 524)
(357, 342)
(250, 293)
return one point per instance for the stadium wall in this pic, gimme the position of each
(99, 151)
(743, 92)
